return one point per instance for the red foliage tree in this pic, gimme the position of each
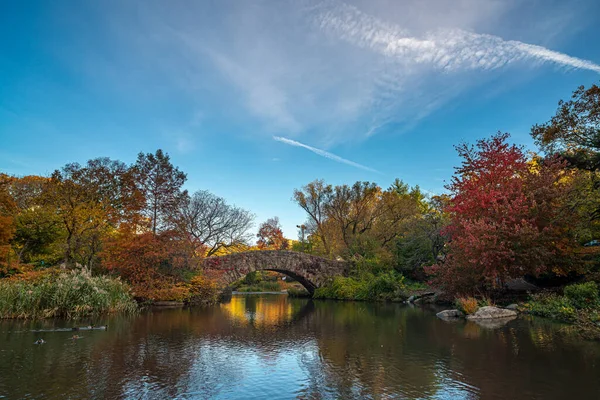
(507, 218)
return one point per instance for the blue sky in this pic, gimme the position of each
(255, 98)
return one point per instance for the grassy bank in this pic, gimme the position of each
(579, 305)
(265, 286)
(298, 291)
(66, 295)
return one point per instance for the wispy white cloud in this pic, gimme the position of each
(324, 153)
(321, 71)
(448, 49)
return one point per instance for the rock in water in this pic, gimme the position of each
(492, 323)
(411, 299)
(490, 312)
(448, 314)
(513, 307)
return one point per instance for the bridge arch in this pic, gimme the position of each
(310, 271)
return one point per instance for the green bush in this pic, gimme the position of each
(253, 278)
(385, 286)
(270, 286)
(264, 286)
(68, 294)
(583, 295)
(340, 288)
(297, 292)
(552, 306)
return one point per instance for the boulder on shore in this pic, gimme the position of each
(490, 312)
(449, 314)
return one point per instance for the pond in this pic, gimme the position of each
(275, 347)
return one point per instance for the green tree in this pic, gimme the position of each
(574, 131)
(160, 184)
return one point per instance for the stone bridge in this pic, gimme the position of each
(311, 271)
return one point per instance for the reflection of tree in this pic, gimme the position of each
(379, 351)
(335, 349)
(259, 311)
(367, 349)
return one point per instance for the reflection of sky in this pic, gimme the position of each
(233, 369)
(232, 372)
(254, 348)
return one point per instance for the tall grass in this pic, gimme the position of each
(68, 295)
(467, 305)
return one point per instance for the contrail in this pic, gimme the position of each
(450, 49)
(324, 153)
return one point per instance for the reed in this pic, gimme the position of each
(72, 295)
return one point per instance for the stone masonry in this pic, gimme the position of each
(311, 271)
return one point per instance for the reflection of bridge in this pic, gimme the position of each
(311, 271)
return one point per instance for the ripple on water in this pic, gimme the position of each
(280, 348)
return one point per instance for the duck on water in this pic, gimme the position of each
(75, 328)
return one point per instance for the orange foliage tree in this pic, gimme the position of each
(7, 223)
(270, 235)
(151, 263)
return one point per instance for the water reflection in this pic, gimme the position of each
(274, 347)
(265, 311)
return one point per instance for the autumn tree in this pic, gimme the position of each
(353, 210)
(7, 222)
(270, 235)
(212, 224)
(39, 235)
(574, 131)
(35, 227)
(313, 198)
(361, 219)
(149, 262)
(81, 213)
(395, 211)
(113, 184)
(507, 218)
(161, 184)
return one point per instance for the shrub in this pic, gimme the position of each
(583, 295)
(552, 306)
(298, 292)
(69, 294)
(167, 291)
(253, 278)
(467, 305)
(340, 288)
(485, 301)
(203, 289)
(270, 286)
(385, 286)
(28, 274)
(264, 286)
